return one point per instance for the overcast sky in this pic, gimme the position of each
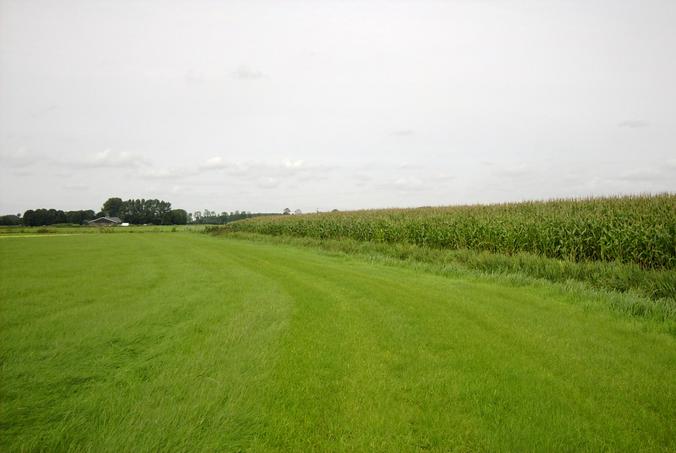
(259, 106)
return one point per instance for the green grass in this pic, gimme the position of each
(86, 229)
(658, 285)
(187, 342)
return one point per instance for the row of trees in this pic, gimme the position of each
(52, 216)
(211, 217)
(141, 211)
(137, 211)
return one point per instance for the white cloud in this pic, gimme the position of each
(646, 175)
(214, 163)
(442, 177)
(167, 173)
(194, 77)
(268, 183)
(114, 159)
(246, 73)
(252, 171)
(405, 184)
(402, 132)
(76, 187)
(293, 163)
(511, 171)
(18, 158)
(633, 124)
(409, 166)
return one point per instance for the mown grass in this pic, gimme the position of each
(183, 342)
(650, 293)
(630, 229)
(659, 285)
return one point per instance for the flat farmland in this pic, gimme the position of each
(187, 342)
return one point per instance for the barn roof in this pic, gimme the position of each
(106, 219)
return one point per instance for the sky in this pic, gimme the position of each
(319, 105)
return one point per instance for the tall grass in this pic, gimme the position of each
(629, 229)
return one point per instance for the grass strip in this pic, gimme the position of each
(646, 293)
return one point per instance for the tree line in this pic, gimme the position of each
(40, 217)
(141, 211)
(212, 218)
(134, 211)
(137, 211)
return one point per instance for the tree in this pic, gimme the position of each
(10, 220)
(179, 217)
(87, 215)
(146, 211)
(43, 217)
(112, 207)
(74, 217)
(29, 218)
(79, 217)
(287, 211)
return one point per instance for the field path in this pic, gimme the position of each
(185, 342)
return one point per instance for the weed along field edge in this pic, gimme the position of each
(177, 341)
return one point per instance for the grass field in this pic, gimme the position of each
(186, 342)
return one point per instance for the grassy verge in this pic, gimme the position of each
(647, 293)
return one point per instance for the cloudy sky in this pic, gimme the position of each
(256, 105)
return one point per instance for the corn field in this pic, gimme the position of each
(630, 229)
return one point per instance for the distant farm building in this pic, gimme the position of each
(106, 221)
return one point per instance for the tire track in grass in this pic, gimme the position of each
(544, 358)
(308, 368)
(378, 332)
(350, 333)
(386, 322)
(532, 356)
